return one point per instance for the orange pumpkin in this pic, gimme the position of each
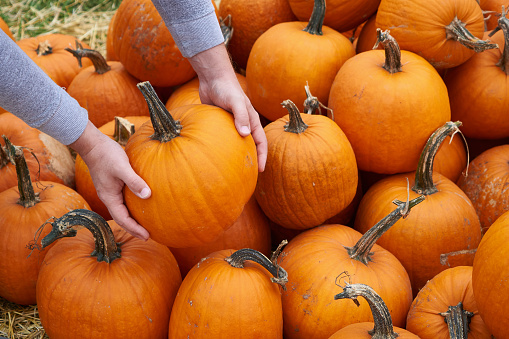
(23, 208)
(446, 33)
(4, 27)
(367, 36)
(116, 285)
(447, 296)
(51, 160)
(491, 8)
(110, 49)
(48, 52)
(388, 104)
(284, 59)
(200, 170)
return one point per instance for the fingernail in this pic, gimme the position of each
(145, 193)
(245, 130)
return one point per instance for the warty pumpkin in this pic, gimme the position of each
(200, 170)
(23, 208)
(104, 283)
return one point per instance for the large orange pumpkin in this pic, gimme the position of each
(23, 208)
(200, 170)
(104, 283)
(388, 104)
(285, 58)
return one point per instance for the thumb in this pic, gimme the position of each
(137, 185)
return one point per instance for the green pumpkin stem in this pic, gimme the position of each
(237, 259)
(315, 23)
(106, 249)
(27, 195)
(165, 127)
(295, 123)
(457, 320)
(383, 328)
(361, 251)
(123, 130)
(503, 24)
(100, 64)
(424, 173)
(457, 30)
(392, 51)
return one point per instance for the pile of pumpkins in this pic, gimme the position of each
(385, 178)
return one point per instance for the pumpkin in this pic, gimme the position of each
(410, 100)
(295, 48)
(443, 232)
(48, 52)
(110, 49)
(119, 129)
(478, 89)
(311, 173)
(446, 33)
(23, 208)
(106, 90)
(489, 277)
(201, 171)
(382, 325)
(249, 20)
(250, 230)
(230, 294)
(316, 257)
(447, 296)
(104, 283)
(341, 15)
(367, 36)
(491, 8)
(485, 184)
(4, 27)
(51, 160)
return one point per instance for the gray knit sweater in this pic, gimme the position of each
(27, 92)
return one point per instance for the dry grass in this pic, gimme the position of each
(18, 321)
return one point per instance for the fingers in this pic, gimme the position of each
(121, 216)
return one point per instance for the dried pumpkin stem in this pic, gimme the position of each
(100, 64)
(165, 127)
(106, 249)
(27, 195)
(361, 251)
(392, 51)
(383, 328)
(123, 130)
(237, 259)
(424, 174)
(503, 24)
(295, 123)
(457, 320)
(4, 160)
(457, 30)
(44, 48)
(316, 21)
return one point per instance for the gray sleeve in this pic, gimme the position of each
(192, 23)
(27, 92)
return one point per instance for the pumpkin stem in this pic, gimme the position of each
(457, 320)
(316, 21)
(383, 328)
(27, 195)
(123, 130)
(361, 251)
(295, 124)
(4, 159)
(457, 30)
(100, 64)
(313, 106)
(392, 51)
(237, 259)
(503, 24)
(226, 29)
(44, 48)
(106, 249)
(424, 174)
(165, 127)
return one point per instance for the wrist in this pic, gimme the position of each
(87, 140)
(212, 63)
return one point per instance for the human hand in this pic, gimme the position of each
(110, 169)
(219, 86)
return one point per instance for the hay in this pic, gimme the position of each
(18, 321)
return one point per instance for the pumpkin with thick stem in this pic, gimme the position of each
(295, 48)
(105, 283)
(200, 170)
(23, 208)
(444, 232)
(381, 328)
(311, 173)
(313, 260)
(242, 285)
(445, 308)
(446, 33)
(491, 10)
(106, 90)
(48, 52)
